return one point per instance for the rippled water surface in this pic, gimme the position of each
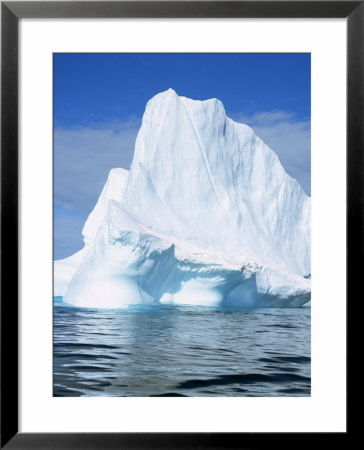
(181, 351)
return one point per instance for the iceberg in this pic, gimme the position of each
(206, 215)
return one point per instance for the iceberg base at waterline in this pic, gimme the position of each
(137, 268)
(205, 216)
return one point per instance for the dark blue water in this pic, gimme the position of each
(181, 351)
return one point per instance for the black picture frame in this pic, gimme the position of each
(11, 12)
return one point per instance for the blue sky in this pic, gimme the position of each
(99, 100)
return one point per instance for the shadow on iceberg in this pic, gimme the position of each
(136, 268)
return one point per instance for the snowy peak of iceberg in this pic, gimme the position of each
(170, 96)
(201, 188)
(202, 177)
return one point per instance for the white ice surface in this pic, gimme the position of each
(64, 269)
(207, 215)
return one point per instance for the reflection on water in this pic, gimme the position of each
(181, 351)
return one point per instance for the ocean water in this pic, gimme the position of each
(181, 351)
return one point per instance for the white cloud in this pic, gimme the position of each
(83, 157)
(289, 137)
(270, 117)
(67, 234)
